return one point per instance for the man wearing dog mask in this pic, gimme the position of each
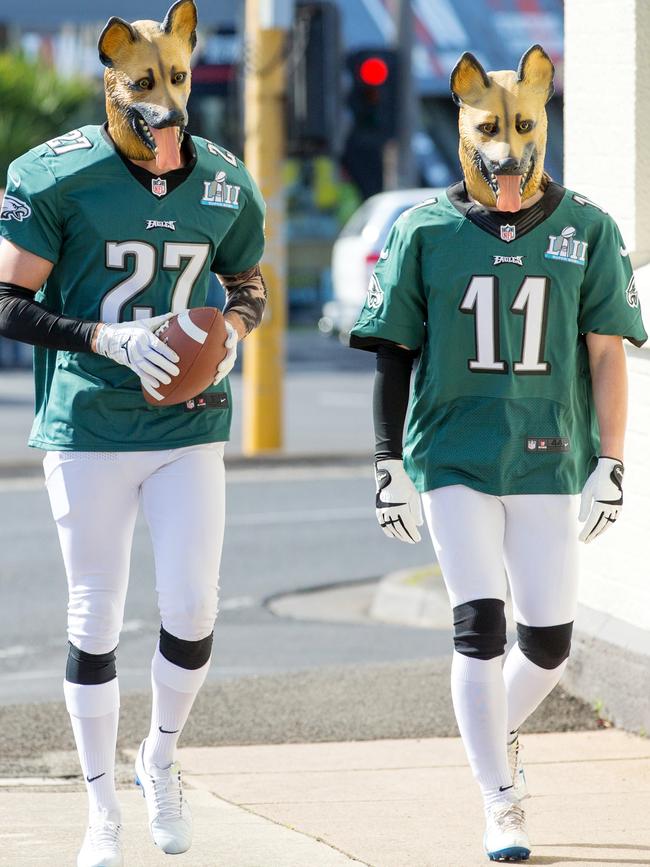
(513, 294)
(115, 228)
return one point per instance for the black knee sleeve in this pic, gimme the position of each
(185, 654)
(480, 628)
(89, 668)
(546, 646)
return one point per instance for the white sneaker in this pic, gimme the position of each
(505, 836)
(101, 846)
(520, 786)
(170, 820)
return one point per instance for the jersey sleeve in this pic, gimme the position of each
(395, 307)
(609, 301)
(30, 216)
(243, 245)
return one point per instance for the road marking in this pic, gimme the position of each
(15, 650)
(316, 516)
(237, 475)
(134, 625)
(237, 602)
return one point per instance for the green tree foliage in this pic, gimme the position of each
(37, 104)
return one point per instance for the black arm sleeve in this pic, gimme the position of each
(390, 398)
(22, 318)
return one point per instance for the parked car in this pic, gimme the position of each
(356, 252)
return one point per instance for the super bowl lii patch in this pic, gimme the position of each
(543, 445)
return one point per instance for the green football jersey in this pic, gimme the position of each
(122, 249)
(498, 305)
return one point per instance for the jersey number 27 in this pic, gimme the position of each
(187, 259)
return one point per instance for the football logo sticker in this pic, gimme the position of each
(566, 248)
(375, 294)
(220, 193)
(13, 208)
(159, 187)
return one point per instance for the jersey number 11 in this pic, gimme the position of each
(531, 301)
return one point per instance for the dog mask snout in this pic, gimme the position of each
(175, 117)
(509, 166)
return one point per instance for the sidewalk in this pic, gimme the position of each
(409, 803)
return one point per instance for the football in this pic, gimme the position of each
(198, 337)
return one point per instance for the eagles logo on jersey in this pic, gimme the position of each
(13, 208)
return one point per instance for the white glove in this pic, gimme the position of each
(602, 498)
(136, 346)
(399, 510)
(231, 356)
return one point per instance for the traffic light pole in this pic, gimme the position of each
(406, 97)
(267, 22)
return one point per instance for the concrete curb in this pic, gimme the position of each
(29, 469)
(600, 652)
(412, 597)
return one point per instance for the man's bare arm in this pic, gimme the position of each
(245, 299)
(21, 275)
(22, 268)
(609, 382)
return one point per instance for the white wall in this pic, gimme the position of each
(615, 575)
(607, 157)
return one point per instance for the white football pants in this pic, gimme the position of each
(530, 541)
(483, 542)
(95, 498)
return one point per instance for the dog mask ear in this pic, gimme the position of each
(468, 80)
(181, 19)
(536, 70)
(114, 37)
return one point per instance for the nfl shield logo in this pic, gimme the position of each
(508, 233)
(159, 187)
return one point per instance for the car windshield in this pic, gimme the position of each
(388, 224)
(358, 220)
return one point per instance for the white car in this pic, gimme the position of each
(356, 252)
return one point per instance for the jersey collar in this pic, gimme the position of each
(524, 220)
(172, 179)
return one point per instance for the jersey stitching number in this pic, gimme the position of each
(481, 299)
(189, 258)
(531, 302)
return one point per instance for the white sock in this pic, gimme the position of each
(94, 712)
(527, 685)
(174, 690)
(479, 696)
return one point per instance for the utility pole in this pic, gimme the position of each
(403, 13)
(267, 25)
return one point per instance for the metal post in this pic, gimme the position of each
(406, 122)
(267, 22)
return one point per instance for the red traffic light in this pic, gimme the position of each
(374, 71)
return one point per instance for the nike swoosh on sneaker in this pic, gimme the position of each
(92, 779)
(165, 732)
(505, 788)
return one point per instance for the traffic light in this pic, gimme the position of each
(373, 92)
(314, 80)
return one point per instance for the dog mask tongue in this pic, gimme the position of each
(509, 198)
(169, 155)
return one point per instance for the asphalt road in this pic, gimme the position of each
(287, 529)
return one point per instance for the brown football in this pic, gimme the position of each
(198, 337)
